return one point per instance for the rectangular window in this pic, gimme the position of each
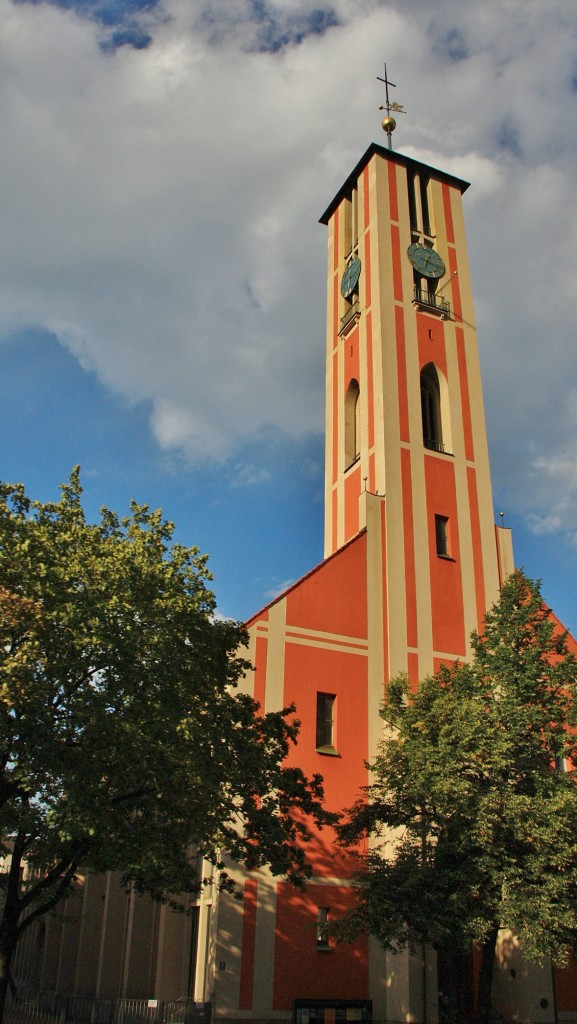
(325, 721)
(347, 225)
(323, 928)
(420, 218)
(424, 190)
(354, 218)
(442, 535)
(412, 204)
(350, 225)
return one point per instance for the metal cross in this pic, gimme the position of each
(388, 105)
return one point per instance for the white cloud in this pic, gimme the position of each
(544, 524)
(159, 207)
(278, 589)
(557, 477)
(250, 476)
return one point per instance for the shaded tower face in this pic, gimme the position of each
(405, 418)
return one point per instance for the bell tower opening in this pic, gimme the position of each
(431, 409)
(352, 424)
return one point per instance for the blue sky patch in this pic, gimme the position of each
(107, 12)
(119, 15)
(54, 415)
(508, 137)
(274, 30)
(277, 33)
(128, 35)
(453, 45)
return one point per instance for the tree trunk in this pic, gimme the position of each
(454, 977)
(8, 940)
(10, 917)
(3, 990)
(484, 1004)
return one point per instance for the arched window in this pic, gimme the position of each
(431, 409)
(352, 424)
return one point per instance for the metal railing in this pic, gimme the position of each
(48, 1008)
(433, 444)
(351, 314)
(423, 297)
(28, 1013)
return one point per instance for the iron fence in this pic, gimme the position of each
(48, 1008)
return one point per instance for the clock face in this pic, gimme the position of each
(350, 277)
(425, 260)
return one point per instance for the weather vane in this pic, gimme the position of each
(389, 124)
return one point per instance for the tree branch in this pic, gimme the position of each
(79, 850)
(57, 894)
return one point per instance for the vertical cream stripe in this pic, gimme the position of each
(274, 698)
(263, 991)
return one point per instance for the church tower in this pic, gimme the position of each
(405, 418)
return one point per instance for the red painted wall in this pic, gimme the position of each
(566, 986)
(333, 598)
(325, 650)
(333, 602)
(299, 967)
(448, 618)
(431, 338)
(309, 670)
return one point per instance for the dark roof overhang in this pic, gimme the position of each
(398, 158)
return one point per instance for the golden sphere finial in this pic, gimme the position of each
(389, 124)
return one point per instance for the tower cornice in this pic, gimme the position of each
(393, 157)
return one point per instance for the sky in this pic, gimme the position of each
(163, 167)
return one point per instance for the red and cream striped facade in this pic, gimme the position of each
(383, 601)
(437, 602)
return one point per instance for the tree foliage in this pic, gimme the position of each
(472, 826)
(123, 742)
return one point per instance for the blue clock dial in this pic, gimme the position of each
(425, 260)
(350, 278)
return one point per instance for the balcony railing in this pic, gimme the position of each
(350, 318)
(431, 302)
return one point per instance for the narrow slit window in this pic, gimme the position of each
(352, 424)
(323, 928)
(442, 536)
(419, 213)
(325, 722)
(347, 226)
(424, 189)
(412, 203)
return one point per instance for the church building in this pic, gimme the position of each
(412, 561)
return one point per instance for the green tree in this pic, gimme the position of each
(123, 742)
(471, 825)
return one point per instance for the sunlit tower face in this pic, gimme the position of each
(405, 418)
